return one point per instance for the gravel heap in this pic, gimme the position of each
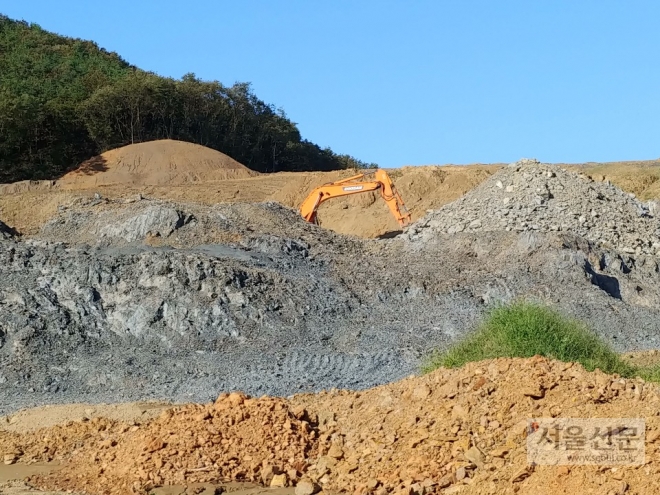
(171, 301)
(530, 196)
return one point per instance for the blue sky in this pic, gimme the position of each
(409, 81)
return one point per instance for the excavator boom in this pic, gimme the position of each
(355, 185)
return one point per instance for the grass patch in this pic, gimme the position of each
(649, 373)
(524, 329)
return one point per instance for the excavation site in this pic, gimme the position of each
(172, 320)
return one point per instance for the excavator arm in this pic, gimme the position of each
(355, 185)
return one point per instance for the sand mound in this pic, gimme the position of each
(156, 163)
(452, 431)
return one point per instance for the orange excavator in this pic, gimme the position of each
(355, 185)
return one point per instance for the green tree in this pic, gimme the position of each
(64, 100)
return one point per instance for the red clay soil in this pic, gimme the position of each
(452, 431)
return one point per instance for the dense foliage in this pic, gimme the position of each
(64, 100)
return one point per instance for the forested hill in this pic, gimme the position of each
(63, 100)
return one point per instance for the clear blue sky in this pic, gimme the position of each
(409, 81)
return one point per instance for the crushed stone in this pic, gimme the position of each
(528, 196)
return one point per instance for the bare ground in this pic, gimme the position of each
(452, 431)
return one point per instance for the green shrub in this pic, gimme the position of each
(524, 329)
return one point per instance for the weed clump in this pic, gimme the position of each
(524, 329)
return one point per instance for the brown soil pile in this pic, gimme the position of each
(464, 431)
(29, 420)
(452, 431)
(165, 162)
(234, 439)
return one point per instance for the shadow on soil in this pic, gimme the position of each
(390, 235)
(6, 229)
(92, 166)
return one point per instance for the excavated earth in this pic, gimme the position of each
(159, 162)
(117, 299)
(451, 431)
(134, 299)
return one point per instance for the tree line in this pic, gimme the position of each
(64, 100)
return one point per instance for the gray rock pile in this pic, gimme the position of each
(102, 223)
(530, 196)
(152, 299)
(130, 223)
(155, 221)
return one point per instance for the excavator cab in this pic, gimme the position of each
(356, 185)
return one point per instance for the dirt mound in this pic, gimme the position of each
(27, 186)
(29, 204)
(236, 438)
(464, 430)
(165, 162)
(529, 196)
(28, 420)
(452, 431)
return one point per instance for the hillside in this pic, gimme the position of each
(65, 100)
(43, 80)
